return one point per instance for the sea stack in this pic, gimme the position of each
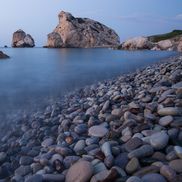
(81, 33)
(21, 39)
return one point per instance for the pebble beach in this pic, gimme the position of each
(128, 129)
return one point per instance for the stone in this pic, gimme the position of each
(121, 160)
(166, 120)
(70, 160)
(79, 172)
(3, 55)
(105, 176)
(81, 33)
(134, 179)
(98, 131)
(47, 142)
(106, 149)
(3, 156)
(79, 146)
(23, 170)
(35, 178)
(25, 160)
(146, 170)
(137, 43)
(133, 143)
(53, 177)
(168, 172)
(117, 112)
(178, 151)
(159, 140)
(173, 111)
(176, 165)
(132, 166)
(106, 106)
(143, 151)
(177, 85)
(81, 129)
(153, 177)
(21, 39)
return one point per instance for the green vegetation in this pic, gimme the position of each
(157, 38)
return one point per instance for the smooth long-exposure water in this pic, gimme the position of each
(33, 77)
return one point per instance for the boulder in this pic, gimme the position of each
(137, 43)
(81, 33)
(3, 56)
(21, 39)
(165, 44)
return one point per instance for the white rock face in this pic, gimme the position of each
(179, 48)
(137, 43)
(81, 32)
(21, 39)
(165, 44)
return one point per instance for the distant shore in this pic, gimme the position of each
(123, 127)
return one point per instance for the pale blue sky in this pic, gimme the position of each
(128, 18)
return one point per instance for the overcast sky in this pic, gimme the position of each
(128, 18)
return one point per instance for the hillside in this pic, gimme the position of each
(157, 38)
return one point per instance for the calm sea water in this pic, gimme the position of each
(33, 77)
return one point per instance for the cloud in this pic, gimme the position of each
(143, 18)
(178, 17)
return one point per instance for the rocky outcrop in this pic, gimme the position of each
(3, 56)
(21, 39)
(137, 43)
(81, 33)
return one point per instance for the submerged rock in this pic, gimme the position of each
(21, 39)
(81, 32)
(3, 56)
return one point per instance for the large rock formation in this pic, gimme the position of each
(137, 43)
(3, 56)
(81, 33)
(21, 39)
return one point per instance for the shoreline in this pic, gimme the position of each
(97, 124)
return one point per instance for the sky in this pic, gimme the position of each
(129, 18)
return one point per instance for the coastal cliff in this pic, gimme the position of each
(21, 39)
(81, 33)
(171, 42)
